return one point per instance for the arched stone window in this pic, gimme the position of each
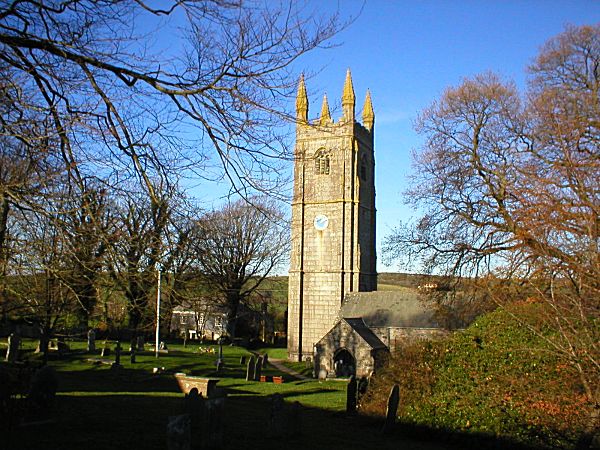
(322, 162)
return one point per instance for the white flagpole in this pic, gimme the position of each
(157, 337)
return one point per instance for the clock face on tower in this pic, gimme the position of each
(321, 222)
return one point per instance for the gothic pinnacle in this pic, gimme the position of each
(348, 98)
(368, 114)
(301, 101)
(325, 118)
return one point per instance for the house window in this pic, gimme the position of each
(322, 163)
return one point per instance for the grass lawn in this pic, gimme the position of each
(99, 408)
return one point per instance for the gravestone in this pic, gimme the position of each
(214, 410)
(250, 369)
(14, 342)
(44, 384)
(140, 343)
(219, 365)
(295, 419)
(105, 351)
(163, 346)
(351, 396)
(179, 435)
(132, 344)
(258, 368)
(132, 355)
(242, 360)
(265, 360)
(91, 341)
(392, 409)
(277, 419)
(117, 354)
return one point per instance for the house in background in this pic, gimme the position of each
(204, 319)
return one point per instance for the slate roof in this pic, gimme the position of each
(361, 328)
(398, 309)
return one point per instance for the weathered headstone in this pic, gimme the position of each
(392, 409)
(179, 436)
(14, 342)
(140, 343)
(242, 360)
(277, 419)
(118, 354)
(91, 341)
(214, 411)
(351, 395)
(295, 419)
(258, 368)
(163, 346)
(219, 365)
(44, 384)
(250, 369)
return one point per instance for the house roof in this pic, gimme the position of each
(361, 328)
(401, 309)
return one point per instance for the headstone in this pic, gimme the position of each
(44, 384)
(140, 343)
(265, 361)
(179, 435)
(14, 342)
(118, 354)
(295, 419)
(242, 360)
(163, 346)
(91, 341)
(277, 422)
(392, 409)
(250, 369)
(219, 365)
(132, 344)
(214, 411)
(351, 395)
(105, 351)
(62, 346)
(132, 355)
(322, 374)
(258, 368)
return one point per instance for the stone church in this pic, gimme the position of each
(333, 258)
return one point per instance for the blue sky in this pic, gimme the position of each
(408, 52)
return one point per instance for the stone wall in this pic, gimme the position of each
(394, 338)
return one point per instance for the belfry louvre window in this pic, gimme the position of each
(322, 163)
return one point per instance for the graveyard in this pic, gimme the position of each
(111, 402)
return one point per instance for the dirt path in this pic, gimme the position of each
(277, 363)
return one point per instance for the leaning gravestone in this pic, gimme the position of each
(179, 436)
(250, 369)
(14, 341)
(91, 341)
(392, 409)
(258, 368)
(351, 396)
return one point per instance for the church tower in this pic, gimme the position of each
(333, 217)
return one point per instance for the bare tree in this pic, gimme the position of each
(237, 247)
(511, 191)
(117, 99)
